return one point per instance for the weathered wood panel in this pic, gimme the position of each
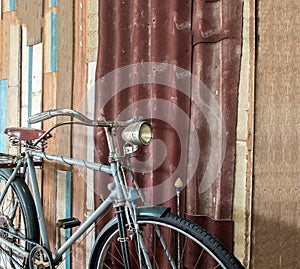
(3, 94)
(50, 41)
(276, 207)
(79, 134)
(244, 139)
(9, 5)
(4, 49)
(30, 14)
(63, 208)
(49, 168)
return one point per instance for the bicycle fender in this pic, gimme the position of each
(153, 211)
(143, 211)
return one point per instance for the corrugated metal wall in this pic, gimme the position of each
(203, 37)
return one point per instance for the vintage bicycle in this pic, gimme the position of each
(139, 236)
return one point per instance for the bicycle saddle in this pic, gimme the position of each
(26, 134)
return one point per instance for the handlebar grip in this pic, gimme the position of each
(39, 117)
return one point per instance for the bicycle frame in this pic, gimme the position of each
(116, 196)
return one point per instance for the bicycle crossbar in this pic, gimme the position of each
(70, 161)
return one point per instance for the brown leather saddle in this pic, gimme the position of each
(25, 134)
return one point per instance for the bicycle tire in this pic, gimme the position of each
(210, 253)
(18, 222)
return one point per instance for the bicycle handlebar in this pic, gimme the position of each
(79, 116)
(58, 112)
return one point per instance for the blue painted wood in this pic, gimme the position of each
(3, 95)
(68, 213)
(12, 5)
(53, 3)
(53, 56)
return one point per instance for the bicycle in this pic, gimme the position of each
(137, 237)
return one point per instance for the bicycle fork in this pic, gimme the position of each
(123, 238)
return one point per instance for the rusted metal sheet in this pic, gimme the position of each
(202, 37)
(217, 27)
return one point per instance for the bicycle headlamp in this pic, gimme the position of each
(138, 133)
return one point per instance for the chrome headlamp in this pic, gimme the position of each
(138, 133)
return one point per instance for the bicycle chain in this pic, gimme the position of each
(35, 247)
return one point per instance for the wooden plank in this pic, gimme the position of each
(30, 13)
(244, 140)
(9, 5)
(92, 30)
(13, 93)
(79, 92)
(57, 84)
(52, 3)
(25, 77)
(51, 42)
(3, 102)
(32, 68)
(13, 106)
(53, 60)
(49, 168)
(63, 207)
(14, 55)
(64, 35)
(37, 81)
(90, 96)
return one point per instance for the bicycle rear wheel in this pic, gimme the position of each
(186, 245)
(18, 223)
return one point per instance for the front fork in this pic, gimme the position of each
(123, 237)
(119, 206)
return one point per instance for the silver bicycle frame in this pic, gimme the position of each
(101, 209)
(116, 195)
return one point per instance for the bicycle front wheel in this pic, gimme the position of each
(170, 242)
(18, 223)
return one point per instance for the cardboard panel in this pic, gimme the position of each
(276, 206)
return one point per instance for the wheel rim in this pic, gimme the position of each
(111, 256)
(11, 222)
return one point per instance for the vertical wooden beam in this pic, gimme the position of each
(244, 140)
(13, 92)
(79, 134)
(63, 207)
(49, 168)
(90, 151)
(58, 53)
(64, 93)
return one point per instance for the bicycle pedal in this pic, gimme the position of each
(68, 223)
